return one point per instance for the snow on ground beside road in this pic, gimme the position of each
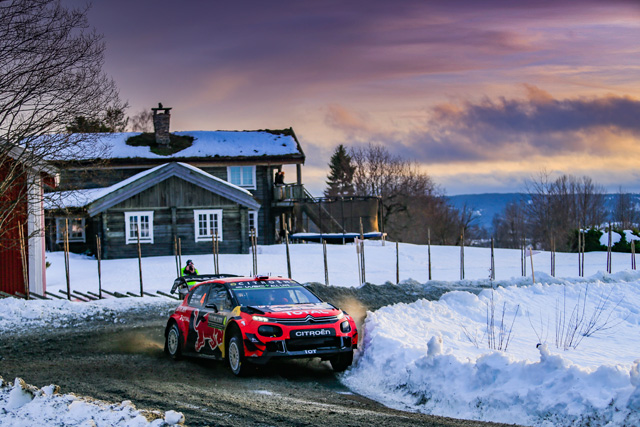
(438, 361)
(25, 405)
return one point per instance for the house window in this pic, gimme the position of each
(207, 224)
(242, 176)
(253, 221)
(76, 230)
(142, 221)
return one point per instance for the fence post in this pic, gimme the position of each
(633, 254)
(533, 274)
(99, 256)
(175, 254)
(462, 255)
(180, 256)
(139, 259)
(286, 242)
(429, 249)
(609, 252)
(359, 257)
(493, 265)
(397, 264)
(326, 267)
(66, 257)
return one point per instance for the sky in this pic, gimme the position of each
(481, 95)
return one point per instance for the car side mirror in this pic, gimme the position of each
(212, 306)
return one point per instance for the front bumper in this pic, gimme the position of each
(260, 353)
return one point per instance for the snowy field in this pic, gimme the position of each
(439, 361)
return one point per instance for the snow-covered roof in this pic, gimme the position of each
(97, 200)
(209, 144)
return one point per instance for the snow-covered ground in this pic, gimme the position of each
(433, 356)
(23, 405)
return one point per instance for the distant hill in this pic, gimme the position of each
(488, 204)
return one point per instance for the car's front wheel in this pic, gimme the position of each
(340, 362)
(173, 342)
(235, 355)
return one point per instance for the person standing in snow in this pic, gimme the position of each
(189, 269)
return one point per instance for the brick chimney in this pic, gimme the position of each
(161, 120)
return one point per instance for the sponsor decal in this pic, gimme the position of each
(217, 320)
(206, 334)
(298, 309)
(313, 333)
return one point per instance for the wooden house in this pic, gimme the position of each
(216, 182)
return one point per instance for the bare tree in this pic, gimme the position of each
(142, 121)
(411, 202)
(624, 213)
(561, 205)
(50, 73)
(511, 226)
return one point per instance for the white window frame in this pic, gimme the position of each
(253, 221)
(209, 232)
(60, 224)
(242, 184)
(133, 239)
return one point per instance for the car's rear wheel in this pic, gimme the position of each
(235, 355)
(340, 362)
(173, 342)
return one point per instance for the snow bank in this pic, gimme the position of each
(433, 356)
(25, 405)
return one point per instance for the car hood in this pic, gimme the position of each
(293, 311)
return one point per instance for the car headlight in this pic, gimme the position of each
(340, 315)
(345, 326)
(260, 319)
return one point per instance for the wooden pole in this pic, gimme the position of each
(493, 264)
(609, 252)
(357, 241)
(579, 252)
(286, 242)
(99, 256)
(364, 270)
(633, 254)
(139, 259)
(583, 249)
(216, 246)
(25, 263)
(533, 275)
(522, 270)
(553, 257)
(462, 255)
(429, 249)
(326, 267)
(397, 264)
(175, 255)
(179, 256)
(66, 257)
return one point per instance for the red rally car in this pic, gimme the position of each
(252, 319)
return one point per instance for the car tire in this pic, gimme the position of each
(340, 362)
(173, 342)
(235, 355)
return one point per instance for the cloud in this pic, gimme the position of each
(538, 124)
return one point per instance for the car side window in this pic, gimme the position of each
(220, 297)
(198, 296)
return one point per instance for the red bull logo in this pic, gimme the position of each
(205, 333)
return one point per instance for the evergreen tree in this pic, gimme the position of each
(340, 178)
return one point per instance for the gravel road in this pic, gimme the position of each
(125, 361)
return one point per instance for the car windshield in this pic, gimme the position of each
(275, 296)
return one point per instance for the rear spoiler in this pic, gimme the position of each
(183, 282)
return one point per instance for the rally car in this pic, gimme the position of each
(254, 319)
